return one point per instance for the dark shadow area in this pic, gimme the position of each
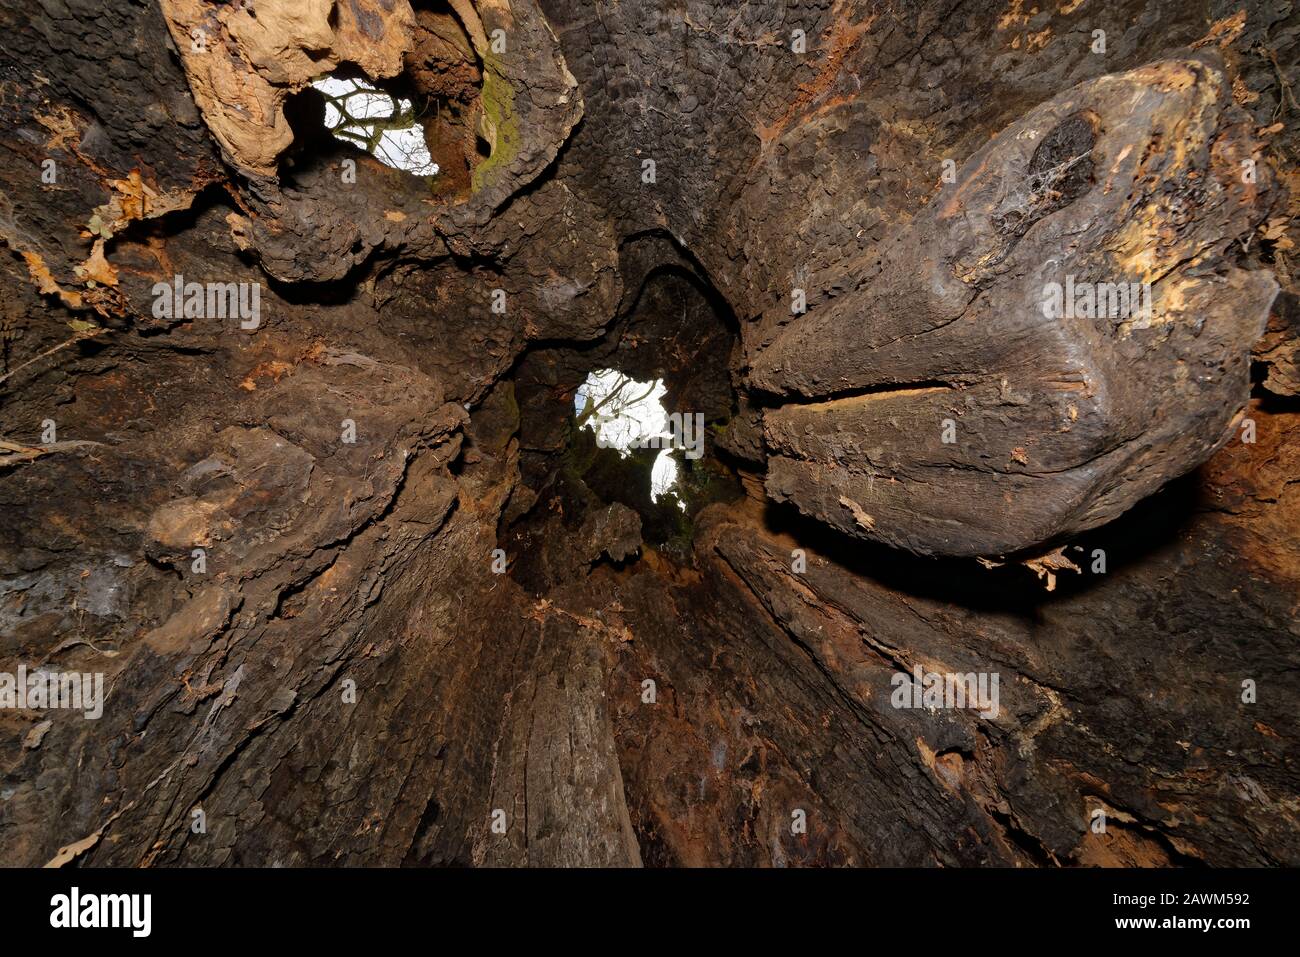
(1152, 525)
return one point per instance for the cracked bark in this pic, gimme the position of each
(365, 568)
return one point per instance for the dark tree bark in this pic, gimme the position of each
(281, 537)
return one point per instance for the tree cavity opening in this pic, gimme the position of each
(626, 415)
(426, 121)
(386, 126)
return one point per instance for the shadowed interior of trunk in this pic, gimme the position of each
(963, 335)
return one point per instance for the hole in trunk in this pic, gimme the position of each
(388, 127)
(425, 122)
(629, 420)
(626, 414)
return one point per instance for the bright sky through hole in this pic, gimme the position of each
(629, 411)
(399, 148)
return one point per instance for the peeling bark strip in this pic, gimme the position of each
(1052, 420)
(243, 60)
(362, 592)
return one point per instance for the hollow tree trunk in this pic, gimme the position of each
(363, 593)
